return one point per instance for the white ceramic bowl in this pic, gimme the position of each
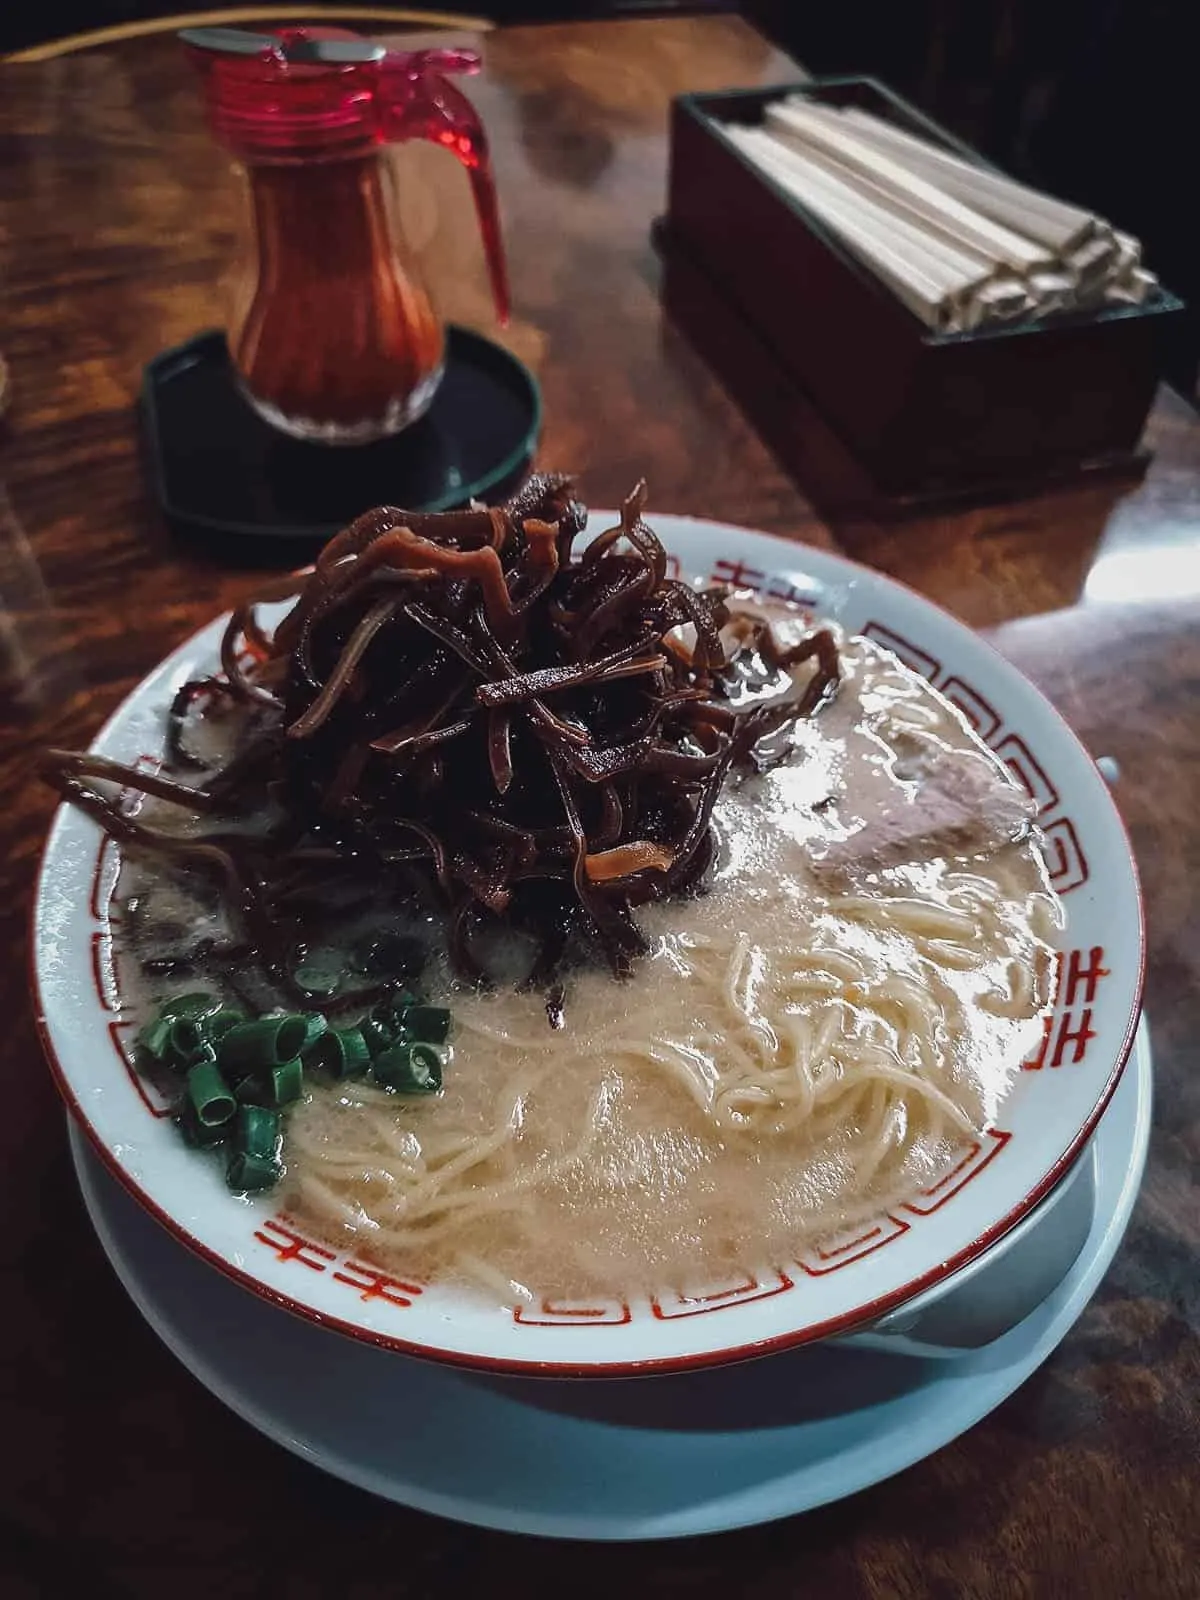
(853, 1281)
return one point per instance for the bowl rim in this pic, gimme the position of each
(845, 1322)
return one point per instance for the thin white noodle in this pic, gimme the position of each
(838, 1033)
(488, 1277)
(933, 919)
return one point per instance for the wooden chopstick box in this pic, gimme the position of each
(797, 327)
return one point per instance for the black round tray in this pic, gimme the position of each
(219, 471)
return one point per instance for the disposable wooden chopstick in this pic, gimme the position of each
(1133, 288)
(1130, 282)
(936, 228)
(965, 268)
(797, 124)
(1053, 223)
(966, 272)
(935, 281)
(1087, 246)
(960, 276)
(887, 200)
(951, 269)
(915, 282)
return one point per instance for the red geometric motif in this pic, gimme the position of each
(108, 857)
(376, 1285)
(773, 586)
(291, 1246)
(119, 1033)
(1078, 1034)
(667, 1308)
(1077, 975)
(984, 718)
(1072, 1030)
(1016, 756)
(104, 878)
(911, 654)
(737, 574)
(972, 1162)
(105, 979)
(831, 1258)
(1065, 860)
(781, 588)
(612, 1314)
(1067, 1032)
(104, 974)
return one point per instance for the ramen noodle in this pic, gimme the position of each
(823, 896)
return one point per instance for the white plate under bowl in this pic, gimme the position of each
(698, 1453)
(848, 1283)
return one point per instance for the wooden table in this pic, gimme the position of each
(115, 220)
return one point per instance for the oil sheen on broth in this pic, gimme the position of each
(806, 1042)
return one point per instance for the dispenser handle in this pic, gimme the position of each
(417, 102)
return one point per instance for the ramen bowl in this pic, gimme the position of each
(847, 1283)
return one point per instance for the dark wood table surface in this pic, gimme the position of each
(119, 1474)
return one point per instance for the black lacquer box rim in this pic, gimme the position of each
(929, 437)
(1159, 301)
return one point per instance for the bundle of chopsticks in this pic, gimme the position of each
(962, 246)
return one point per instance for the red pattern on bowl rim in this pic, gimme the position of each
(843, 1286)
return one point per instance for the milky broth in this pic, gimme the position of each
(810, 1039)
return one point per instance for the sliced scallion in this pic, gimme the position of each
(218, 1025)
(377, 1036)
(154, 1039)
(188, 1044)
(391, 1008)
(196, 1006)
(257, 1131)
(409, 1068)
(256, 1047)
(194, 1131)
(342, 1052)
(274, 1086)
(247, 1174)
(209, 1095)
(430, 1024)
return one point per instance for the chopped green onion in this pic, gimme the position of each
(264, 1059)
(342, 1052)
(188, 1044)
(317, 1025)
(183, 1033)
(247, 1174)
(203, 1055)
(269, 1041)
(219, 1025)
(194, 1131)
(154, 1039)
(256, 1132)
(429, 1023)
(196, 1006)
(209, 1096)
(286, 1082)
(409, 1068)
(377, 1036)
(391, 1008)
(275, 1086)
